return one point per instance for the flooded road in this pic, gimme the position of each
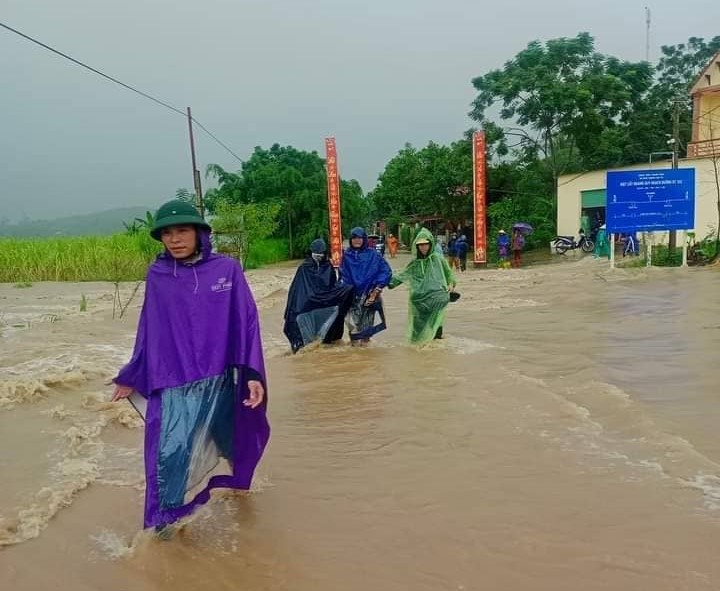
(562, 436)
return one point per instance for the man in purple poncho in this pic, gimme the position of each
(198, 363)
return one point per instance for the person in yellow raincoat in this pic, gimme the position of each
(431, 283)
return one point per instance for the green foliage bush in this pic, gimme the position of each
(406, 235)
(239, 226)
(661, 256)
(266, 252)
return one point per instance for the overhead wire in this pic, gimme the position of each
(119, 82)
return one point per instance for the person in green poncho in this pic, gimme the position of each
(602, 244)
(431, 281)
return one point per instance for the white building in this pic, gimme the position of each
(583, 194)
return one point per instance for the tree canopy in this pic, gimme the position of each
(295, 180)
(433, 181)
(564, 102)
(562, 107)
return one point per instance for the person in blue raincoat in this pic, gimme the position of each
(462, 247)
(368, 273)
(503, 246)
(452, 252)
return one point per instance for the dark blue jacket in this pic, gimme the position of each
(364, 268)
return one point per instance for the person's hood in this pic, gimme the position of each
(316, 263)
(166, 263)
(204, 250)
(359, 232)
(318, 246)
(423, 234)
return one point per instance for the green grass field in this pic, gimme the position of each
(121, 257)
(267, 252)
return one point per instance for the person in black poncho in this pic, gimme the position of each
(317, 303)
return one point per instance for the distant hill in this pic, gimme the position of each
(89, 224)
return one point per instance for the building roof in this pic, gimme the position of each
(709, 77)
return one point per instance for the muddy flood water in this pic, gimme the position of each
(563, 436)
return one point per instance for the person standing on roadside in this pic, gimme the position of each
(392, 244)
(517, 243)
(462, 247)
(503, 247)
(452, 251)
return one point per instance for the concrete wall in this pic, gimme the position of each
(708, 118)
(570, 188)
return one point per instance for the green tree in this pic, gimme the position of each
(676, 71)
(564, 102)
(295, 180)
(435, 180)
(237, 226)
(680, 64)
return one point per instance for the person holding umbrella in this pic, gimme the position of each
(520, 230)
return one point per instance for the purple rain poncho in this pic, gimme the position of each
(198, 344)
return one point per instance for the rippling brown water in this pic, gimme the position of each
(563, 436)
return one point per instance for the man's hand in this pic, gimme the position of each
(121, 392)
(257, 393)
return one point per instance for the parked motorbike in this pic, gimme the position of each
(564, 243)
(696, 254)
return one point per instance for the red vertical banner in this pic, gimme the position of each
(479, 198)
(333, 183)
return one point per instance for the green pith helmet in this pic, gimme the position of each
(176, 213)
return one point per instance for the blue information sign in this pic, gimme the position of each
(650, 200)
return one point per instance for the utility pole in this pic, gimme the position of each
(672, 239)
(647, 34)
(289, 212)
(196, 173)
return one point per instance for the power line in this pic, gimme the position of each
(116, 81)
(79, 63)
(205, 129)
(708, 114)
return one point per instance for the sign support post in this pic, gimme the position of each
(651, 201)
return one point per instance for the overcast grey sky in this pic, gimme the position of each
(375, 74)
